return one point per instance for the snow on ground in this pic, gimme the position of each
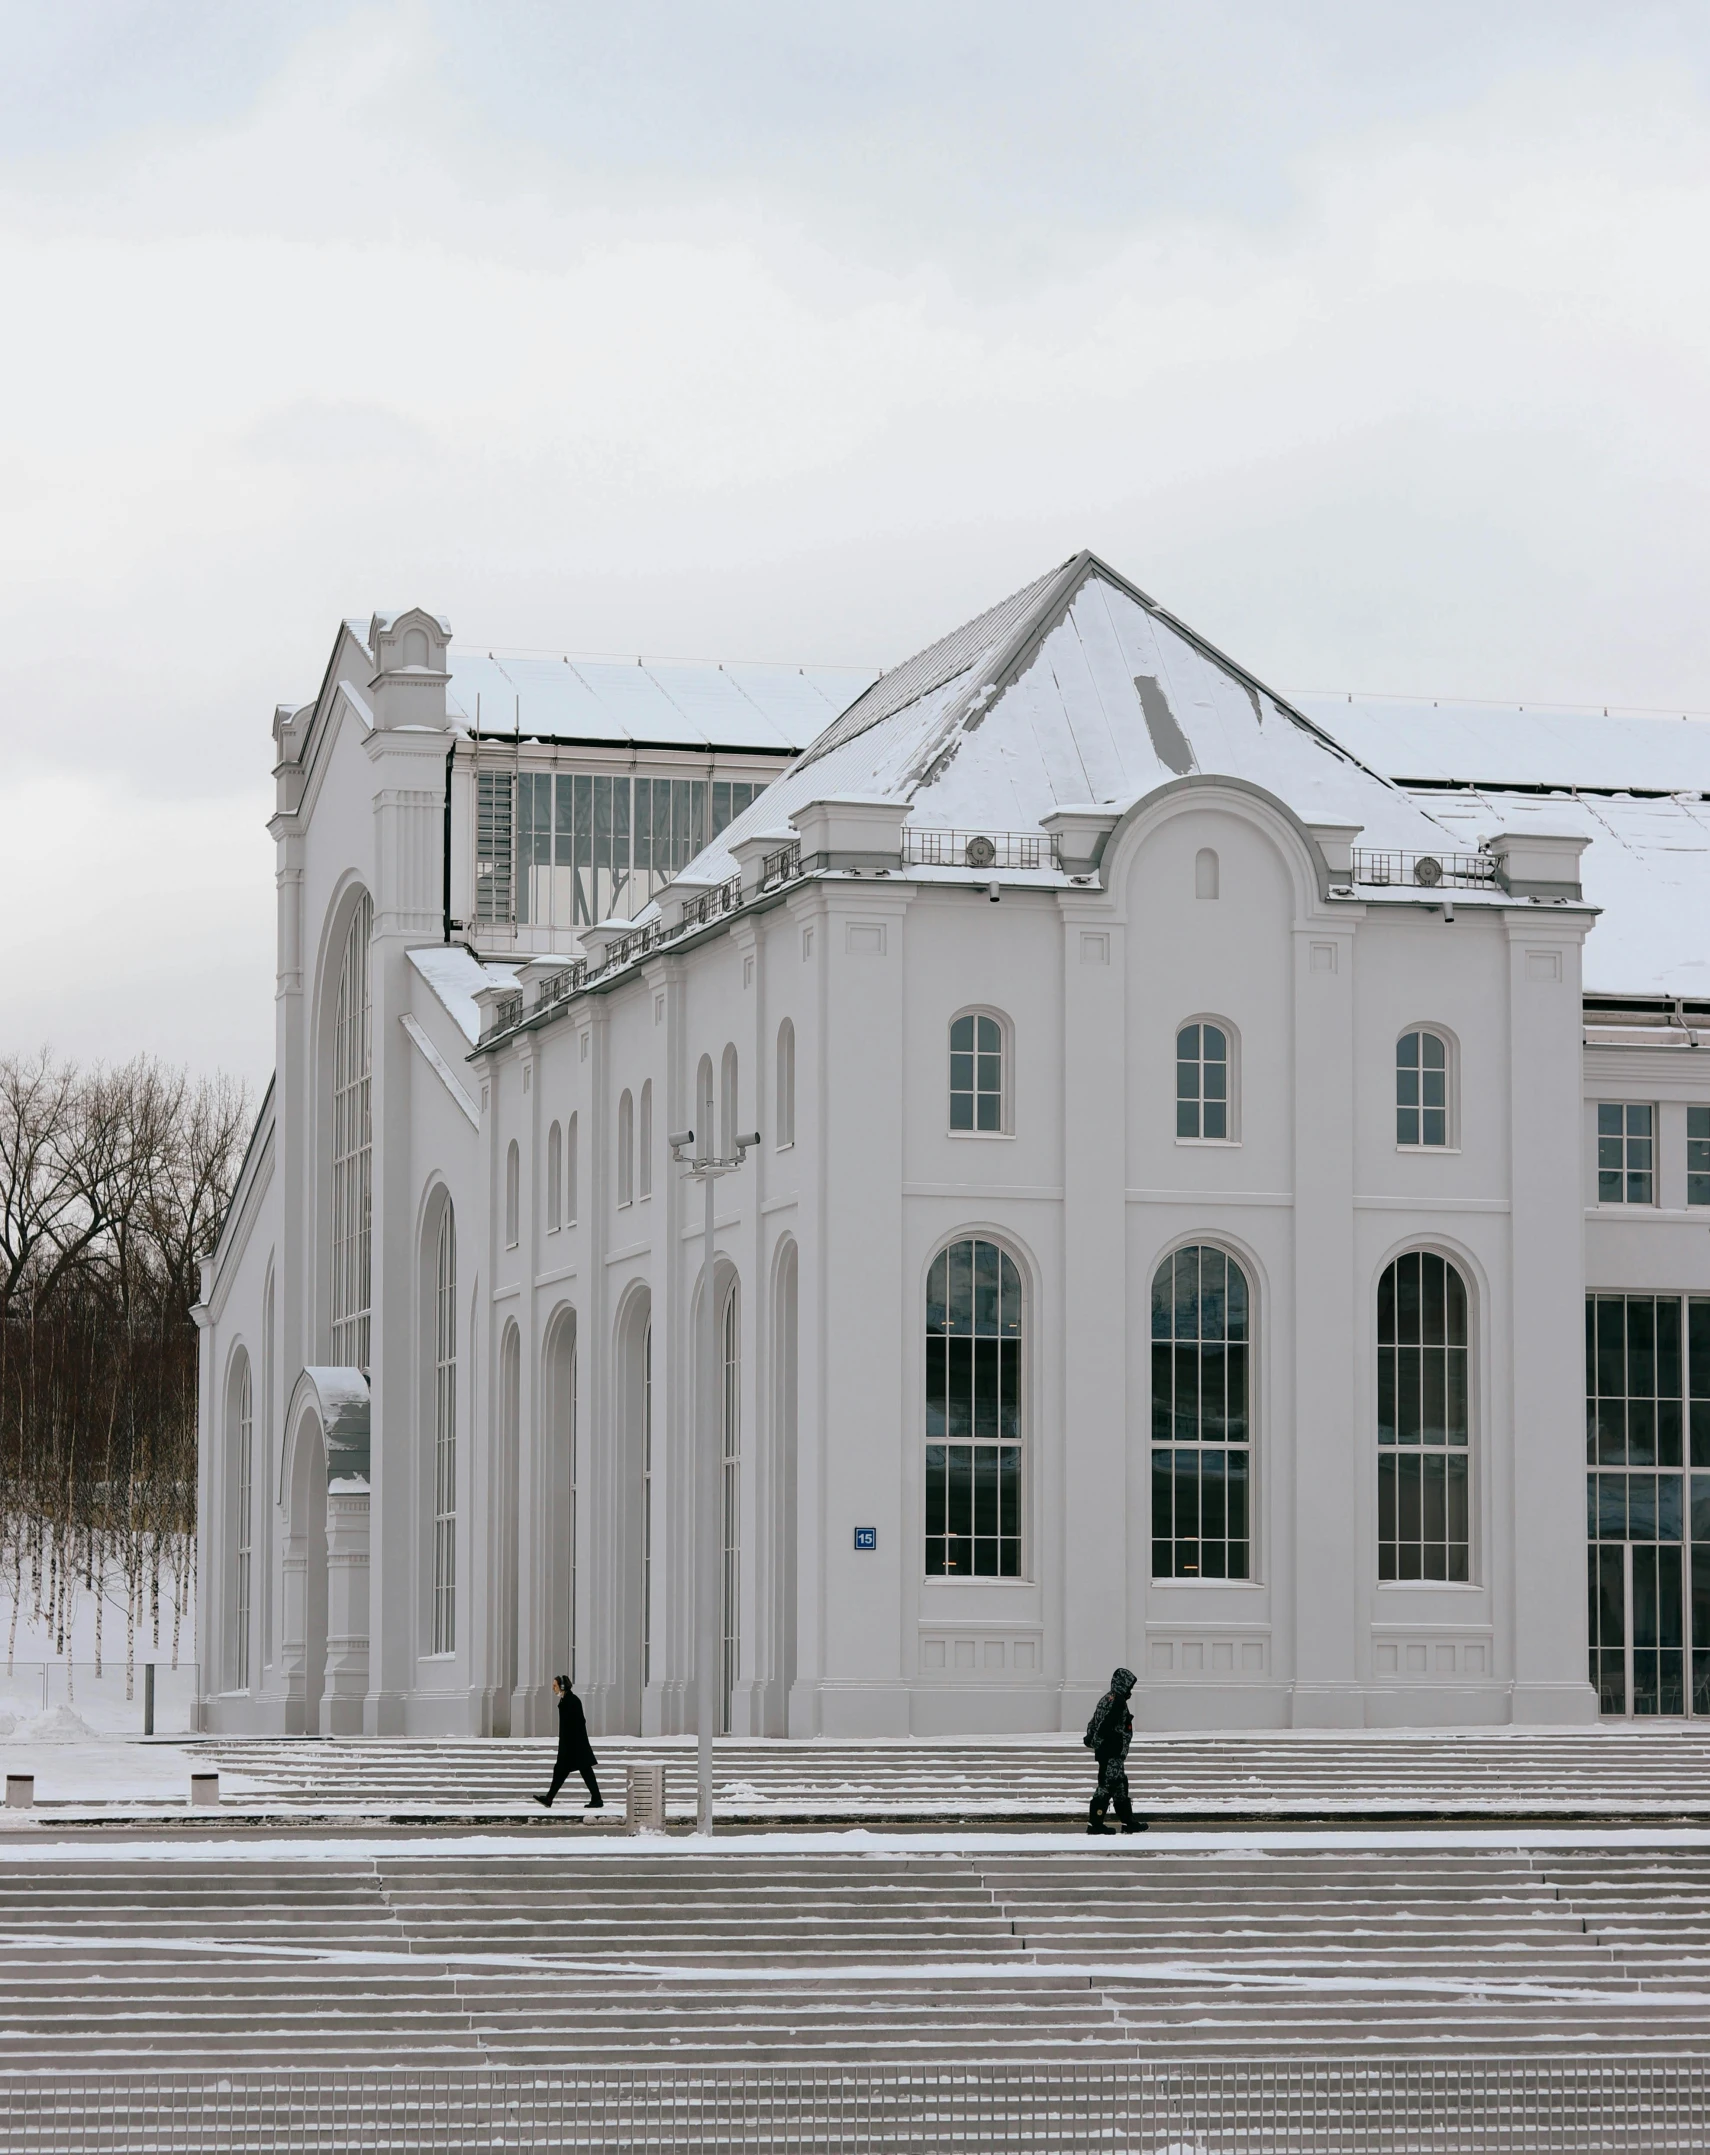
(72, 1764)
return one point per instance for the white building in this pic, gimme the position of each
(1195, 1139)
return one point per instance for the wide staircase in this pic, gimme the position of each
(1605, 1772)
(198, 1956)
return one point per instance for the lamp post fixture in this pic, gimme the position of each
(705, 1167)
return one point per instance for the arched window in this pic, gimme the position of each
(973, 1413)
(730, 1333)
(554, 1179)
(352, 1148)
(626, 1150)
(445, 1436)
(570, 1174)
(1423, 1520)
(243, 1477)
(513, 1195)
(415, 647)
(1205, 873)
(647, 1506)
(786, 1119)
(976, 1072)
(644, 1143)
(1421, 1089)
(1204, 1094)
(1201, 1428)
(727, 1108)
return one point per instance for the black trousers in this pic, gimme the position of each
(561, 1773)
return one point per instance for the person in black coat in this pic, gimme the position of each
(575, 1753)
(1109, 1733)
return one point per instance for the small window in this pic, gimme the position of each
(1205, 873)
(513, 1195)
(570, 1172)
(976, 1073)
(1202, 1082)
(1625, 1153)
(626, 1150)
(554, 1179)
(1421, 1089)
(1698, 1156)
(644, 1144)
(786, 1121)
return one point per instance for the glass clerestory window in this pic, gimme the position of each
(1201, 1431)
(976, 1073)
(973, 1413)
(1421, 1090)
(1626, 1162)
(1202, 1081)
(1423, 1529)
(565, 849)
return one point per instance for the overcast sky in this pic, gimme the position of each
(1371, 338)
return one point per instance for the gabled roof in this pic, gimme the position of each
(1078, 688)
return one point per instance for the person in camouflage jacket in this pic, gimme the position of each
(1109, 1733)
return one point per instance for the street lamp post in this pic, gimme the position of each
(705, 1168)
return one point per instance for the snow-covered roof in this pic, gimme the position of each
(664, 703)
(1510, 745)
(1078, 688)
(456, 975)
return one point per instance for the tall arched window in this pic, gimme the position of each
(727, 1107)
(626, 1150)
(647, 1506)
(554, 1179)
(1201, 1429)
(513, 1195)
(352, 1148)
(976, 1072)
(1421, 1089)
(730, 1332)
(1423, 1520)
(1204, 1095)
(570, 1172)
(243, 1477)
(575, 1465)
(786, 1118)
(445, 1436)
(973, 1413)
(644, 1143)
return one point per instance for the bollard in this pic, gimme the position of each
(644, 1801)
(148, 1698)
(20, 1791)
(204, 1788)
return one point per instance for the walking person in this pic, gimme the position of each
(575, 1752)
(1109, 1733)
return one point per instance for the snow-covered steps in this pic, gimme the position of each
(783, 1949)
(1625, 1772)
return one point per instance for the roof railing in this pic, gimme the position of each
(1425, 871)
(926, 847)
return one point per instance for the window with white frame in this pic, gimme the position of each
(513, 1195)
(1201, 1426)
(570, 1172)
(786, 1118)
(626, 1150)
(976, 1073)
(1204, 1094)
(731, 1335)
(444, 1623)
(1421, 1089)
(644, 1143)
(1698, 1156)
(1424, 1517)
(1626, 1152)
(243, 1462)
(352, 1148)
(973, 1412)
(554, 1179)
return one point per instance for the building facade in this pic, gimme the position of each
(1205, 1194)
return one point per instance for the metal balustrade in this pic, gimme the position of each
(1426, 871)
(1490, 2106)
(925, 847)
